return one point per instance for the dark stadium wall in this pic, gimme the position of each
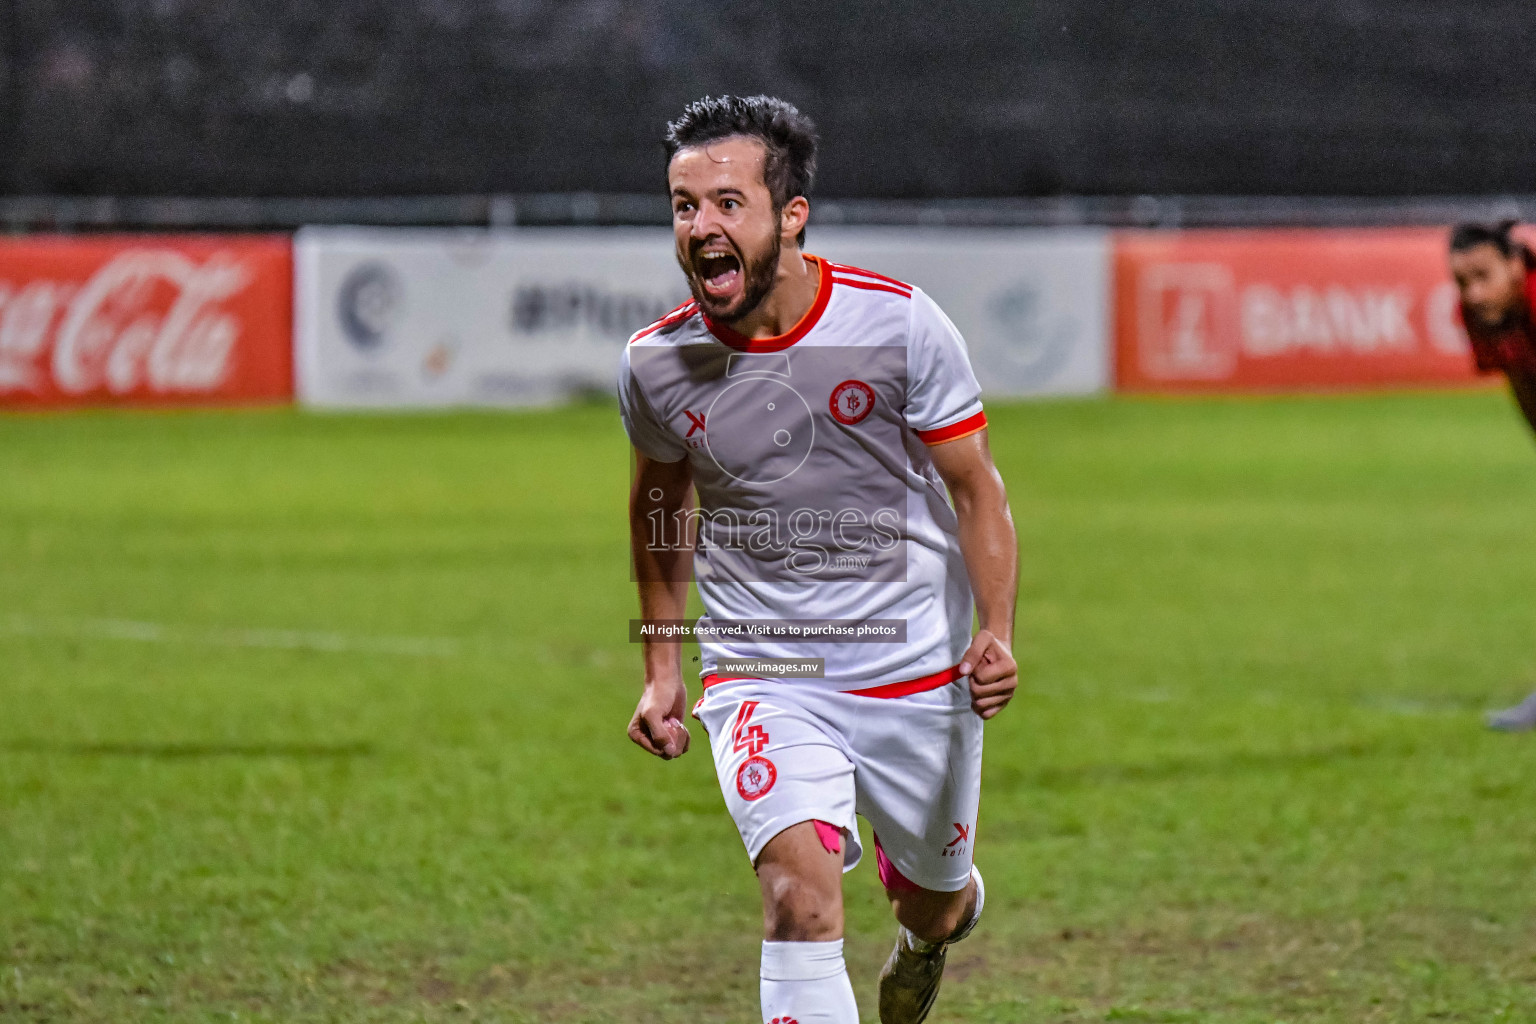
(1296, 97)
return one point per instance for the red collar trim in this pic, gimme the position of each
(778, 343)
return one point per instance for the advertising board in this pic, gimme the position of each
(1286, 310)
(149, 320)
(401, 318)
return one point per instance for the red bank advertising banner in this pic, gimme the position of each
(148, 320)
(1273, 310)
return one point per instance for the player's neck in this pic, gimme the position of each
(793, 293)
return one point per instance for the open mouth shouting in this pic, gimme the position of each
(727, 283)
(719, 273)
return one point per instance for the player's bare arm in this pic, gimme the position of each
(660, 489)
(991, 550)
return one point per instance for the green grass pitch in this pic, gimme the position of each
(321, 718)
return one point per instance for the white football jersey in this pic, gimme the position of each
(818, 501)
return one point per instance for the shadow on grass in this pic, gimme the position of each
(1230, 763)
(174, 751)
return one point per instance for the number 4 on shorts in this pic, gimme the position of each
(751, 738)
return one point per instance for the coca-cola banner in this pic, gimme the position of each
(149, 320)
(401, 317)
(1270, 310)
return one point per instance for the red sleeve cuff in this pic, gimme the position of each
(965, 428)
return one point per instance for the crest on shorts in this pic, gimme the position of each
(755, 778)
(851, 401)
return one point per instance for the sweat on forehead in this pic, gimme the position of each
(735, 151)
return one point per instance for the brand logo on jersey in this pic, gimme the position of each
(851, 401)
(956, 846)
(695, 425)
(755, 778)
(783, 1020)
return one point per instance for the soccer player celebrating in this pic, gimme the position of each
(849, 520)
(1496, 276)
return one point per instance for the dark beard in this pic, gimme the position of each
(1505, 321)
(757, 281)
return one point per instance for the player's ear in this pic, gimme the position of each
(793, 217)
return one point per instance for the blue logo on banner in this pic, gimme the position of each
(366, 304)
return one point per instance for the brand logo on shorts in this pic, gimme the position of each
(755, 778)
(851, 401)
(956, 845)
(783, 1020)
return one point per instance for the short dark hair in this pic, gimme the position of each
(788, 136)
(1472, 234)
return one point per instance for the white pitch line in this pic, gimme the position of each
(272, 639)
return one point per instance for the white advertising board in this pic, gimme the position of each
(430, 318)
(391, 317)
(1033, 305)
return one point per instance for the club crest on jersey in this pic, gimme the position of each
(755, 778)
(851, 401)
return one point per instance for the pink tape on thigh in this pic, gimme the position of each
(830, 835)
(893, 880)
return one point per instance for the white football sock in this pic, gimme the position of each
(981, 902)
(925, 948)
(806, 983)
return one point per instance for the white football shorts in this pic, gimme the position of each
(910, 765)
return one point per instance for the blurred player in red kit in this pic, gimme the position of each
(828, 421)
(1496, 276)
